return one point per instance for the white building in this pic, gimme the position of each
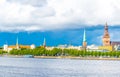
(5, 47)
(49, 48)
(62, 46)
(117, 47)
(92, 47)
(32, 46)
(74, 47)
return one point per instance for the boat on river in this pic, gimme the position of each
(28, 56)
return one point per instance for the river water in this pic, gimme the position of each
(32, 67)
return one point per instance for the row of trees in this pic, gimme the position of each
(64, 52)
(2, 52)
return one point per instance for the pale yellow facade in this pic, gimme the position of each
(110, 48)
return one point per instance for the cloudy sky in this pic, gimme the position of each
(59, 21)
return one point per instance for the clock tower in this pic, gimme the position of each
(106, 36)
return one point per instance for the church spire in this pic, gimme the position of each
(17, 45)
(84, 41)
(44, 43)
(106, 33)
(106, 27)
(106, 36)
(17, 41)
(84, 36)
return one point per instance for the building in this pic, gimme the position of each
(62, 46)
(74, 47)
(116, 45)
(32, 46)
(93, 48)
(106, 36)
(49, 48)
(83, 47)
(8, 48)
(44, 43)
(107, 46)
(84, 44)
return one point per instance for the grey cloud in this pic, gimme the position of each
(43, 12)
(19, 27)
(37, 3)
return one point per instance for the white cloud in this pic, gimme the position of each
(57, 14)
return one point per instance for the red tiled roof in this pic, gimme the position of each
(20, 46)
(115, 43)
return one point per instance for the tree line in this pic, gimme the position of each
(2, 52)
(64, 52)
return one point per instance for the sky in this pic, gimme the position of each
(59, 21)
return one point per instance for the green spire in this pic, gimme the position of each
(17, 45)
(17, 41)
(84, 36)
(44, 43)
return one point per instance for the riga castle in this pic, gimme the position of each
(107, 43)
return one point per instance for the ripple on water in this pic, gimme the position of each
(31, 67)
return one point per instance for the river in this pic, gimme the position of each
(33, 67)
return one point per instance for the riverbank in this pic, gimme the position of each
(79, 58)
(63, 57)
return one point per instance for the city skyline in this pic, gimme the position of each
(55, 38)
(59, 38)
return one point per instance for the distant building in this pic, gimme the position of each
(92, 47)
(5, 47)
(117, 47)
(74, 47)
(11, 47)
(8, 48)
(113, 43)
(106, 36)
(17, 45)
(44, 43)
(106, 48)
(84, 44)
(32, 46)
(50, 48)
(62, 46)
(107, 44)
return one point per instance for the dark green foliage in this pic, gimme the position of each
(63, 52)
(2, 52)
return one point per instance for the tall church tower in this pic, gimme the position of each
(44, 43)
(84, 40)
(17, 45)
(106, 36)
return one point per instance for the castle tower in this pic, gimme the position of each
(106, 36)
(84, 40)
